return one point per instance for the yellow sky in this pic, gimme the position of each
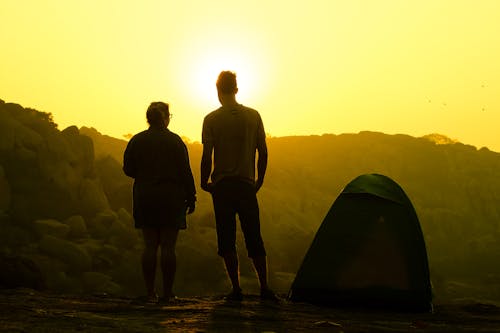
(309, 67)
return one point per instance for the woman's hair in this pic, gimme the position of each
(226, 82)
(157, 113)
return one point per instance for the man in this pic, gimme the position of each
(163, 193)
(234, 133)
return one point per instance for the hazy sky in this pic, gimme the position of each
(310, 67)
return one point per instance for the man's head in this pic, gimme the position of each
(226, 83)
(158, 114)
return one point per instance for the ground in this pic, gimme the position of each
(25, 310)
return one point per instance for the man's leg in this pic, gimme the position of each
(225, 220)
(248, 211)
(168, 237)
(151, 242)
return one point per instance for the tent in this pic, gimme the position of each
(368, 252)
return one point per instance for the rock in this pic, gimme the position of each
(106, 257)
(95, 282)
(106, 218)
(100, 224)
(110, 254)
(112, 288)
(121, 235)
(75, 256)
(52, 228)
(125, 217)
(82, 147)
(5, 196)
(281, 281)
(77, 227)
(329, 324)
(13, 236)
(91, 196)
(63, 283)
(16, 272)
(92, 246)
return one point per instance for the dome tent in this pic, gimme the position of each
(368, 252)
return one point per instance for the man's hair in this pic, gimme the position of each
(226, 82)
(156, 113)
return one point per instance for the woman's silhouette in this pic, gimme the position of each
(163, 193)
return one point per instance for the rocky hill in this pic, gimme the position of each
(66, 208)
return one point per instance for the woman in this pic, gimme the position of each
(163, 193)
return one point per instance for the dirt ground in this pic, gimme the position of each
(25, 310)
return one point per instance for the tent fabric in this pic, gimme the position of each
(368, 252)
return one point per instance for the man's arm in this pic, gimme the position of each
(261, 166)
(262, 158)
(206, 166)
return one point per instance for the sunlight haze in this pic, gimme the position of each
(309, 67)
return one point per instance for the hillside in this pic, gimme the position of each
(66, 207)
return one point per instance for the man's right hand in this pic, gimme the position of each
(208, 187)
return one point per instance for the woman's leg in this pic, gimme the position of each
(151, 243)
(168, 239)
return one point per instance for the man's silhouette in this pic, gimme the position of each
(234, 133)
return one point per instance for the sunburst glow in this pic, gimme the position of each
(208, 66)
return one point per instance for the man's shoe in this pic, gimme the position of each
(269, 295)
(168, 299)
(235, 295)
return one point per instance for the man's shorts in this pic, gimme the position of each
(231, 197)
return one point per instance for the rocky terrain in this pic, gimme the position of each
(29, 311)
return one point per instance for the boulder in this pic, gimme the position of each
(77, 227)
(62, 282)
(51, 227)
(91, 197)
(92, 281)
(122, 236)
(110, 254)
(20, 272)
(105, 218)
(82, 148)
(99, 226)
(92, 246)
(95, 282)
(13, 236)
(5, 196)
(106, 257)
(74, 255)
(125, 217)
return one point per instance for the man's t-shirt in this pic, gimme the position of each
(235, 134)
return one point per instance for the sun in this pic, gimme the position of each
(208, 65)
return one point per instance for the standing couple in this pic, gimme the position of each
(164, 188)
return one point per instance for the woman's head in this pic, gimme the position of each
(158, 114)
